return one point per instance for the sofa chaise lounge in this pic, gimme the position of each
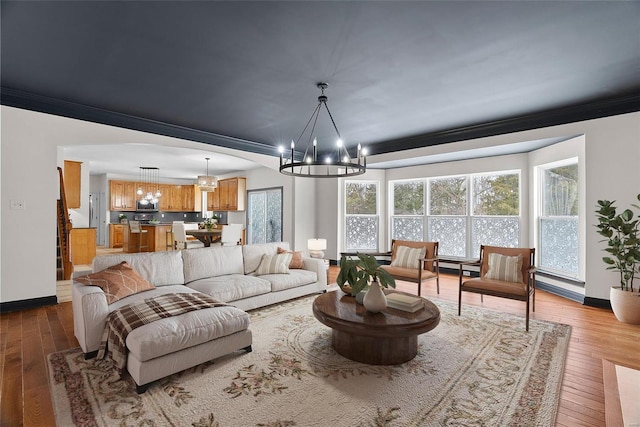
(170, 345)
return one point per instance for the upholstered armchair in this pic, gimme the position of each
(414, 262)
(505, 273)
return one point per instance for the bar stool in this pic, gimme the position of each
(134, 228)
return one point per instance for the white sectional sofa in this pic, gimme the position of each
(170, 345)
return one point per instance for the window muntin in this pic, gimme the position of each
(361, 219)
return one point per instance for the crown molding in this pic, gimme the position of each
(558, 116)
(43, 104)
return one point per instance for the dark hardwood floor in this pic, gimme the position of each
(28, 336)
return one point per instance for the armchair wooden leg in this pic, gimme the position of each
(438, 284)
(527, 325)
(419, 287)
(459, 298)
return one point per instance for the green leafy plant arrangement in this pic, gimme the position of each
(622, 232)
(358, 273)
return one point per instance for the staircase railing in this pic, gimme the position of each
(64, 231)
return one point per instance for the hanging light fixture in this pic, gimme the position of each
(333, 163)
(207, 182)
(149, 185)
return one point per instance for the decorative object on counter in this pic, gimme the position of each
(333, 165)
(207, 182)
(362, 273)
(122, 218)
(316, 247)
(149, 189)
(211, 223)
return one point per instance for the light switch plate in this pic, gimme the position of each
(16, 205)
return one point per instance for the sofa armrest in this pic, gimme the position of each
(318, 266)
(90, 311)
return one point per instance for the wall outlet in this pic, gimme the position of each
(161, 215)
(185, 215)
(16, 205)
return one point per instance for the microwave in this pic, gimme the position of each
(149, 207)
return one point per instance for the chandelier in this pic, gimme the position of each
(149, 185)
(207, 182)
(334, 163)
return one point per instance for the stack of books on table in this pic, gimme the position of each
(404, 302)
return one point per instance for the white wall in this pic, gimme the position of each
(27, 250)
(611, 168)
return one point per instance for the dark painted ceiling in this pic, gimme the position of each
(401, 74)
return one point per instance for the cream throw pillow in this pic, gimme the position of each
(274, 264)
(408, 257)
(506, 268)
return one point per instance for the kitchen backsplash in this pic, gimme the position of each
(165, 216)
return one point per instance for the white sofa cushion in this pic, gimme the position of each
(172, 334)
(159, 268)
(252, 254)
(211, 262)
(232, 287)
(295, 278)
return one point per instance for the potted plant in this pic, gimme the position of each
(622, 235)
(210, 223)
(122, 218)
(356, 275)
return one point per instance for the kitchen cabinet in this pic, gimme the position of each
(83, 245)
(116, 238)
(231, 195)
(164, 203)
(72, 180)
(191, 198)
(122, 195)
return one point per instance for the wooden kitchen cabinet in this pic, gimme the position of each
(83, 245)
(116, 235)
(122, 195)
(164, 203)
(72, 180)
(231, 195)
(191, 198)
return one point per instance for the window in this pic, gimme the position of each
(361, 219)
(496, 211)
(463, 212)
(407, 216)
(558, 217)
(447, 222)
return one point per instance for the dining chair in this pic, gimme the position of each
(136, 230)
(231, 234)
(505, 273)
(180, 237)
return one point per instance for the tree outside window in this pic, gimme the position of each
(558, 222)
(361, 206)
(407, 220)
(447, 222)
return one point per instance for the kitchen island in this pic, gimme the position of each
(158, 238)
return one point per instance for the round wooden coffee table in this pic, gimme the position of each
(386, 338)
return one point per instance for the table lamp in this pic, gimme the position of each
(316, 247)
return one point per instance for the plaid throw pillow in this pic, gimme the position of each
(408, 257)
(274, 264)
(506, 268)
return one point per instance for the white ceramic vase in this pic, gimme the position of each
(375, 300)
(625, 305)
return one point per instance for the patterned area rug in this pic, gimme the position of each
(480, 369)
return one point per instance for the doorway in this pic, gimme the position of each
(264, 215)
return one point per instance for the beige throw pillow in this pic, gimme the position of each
(506, 268)
(408, 257)
(274, 264)
(117, 281)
